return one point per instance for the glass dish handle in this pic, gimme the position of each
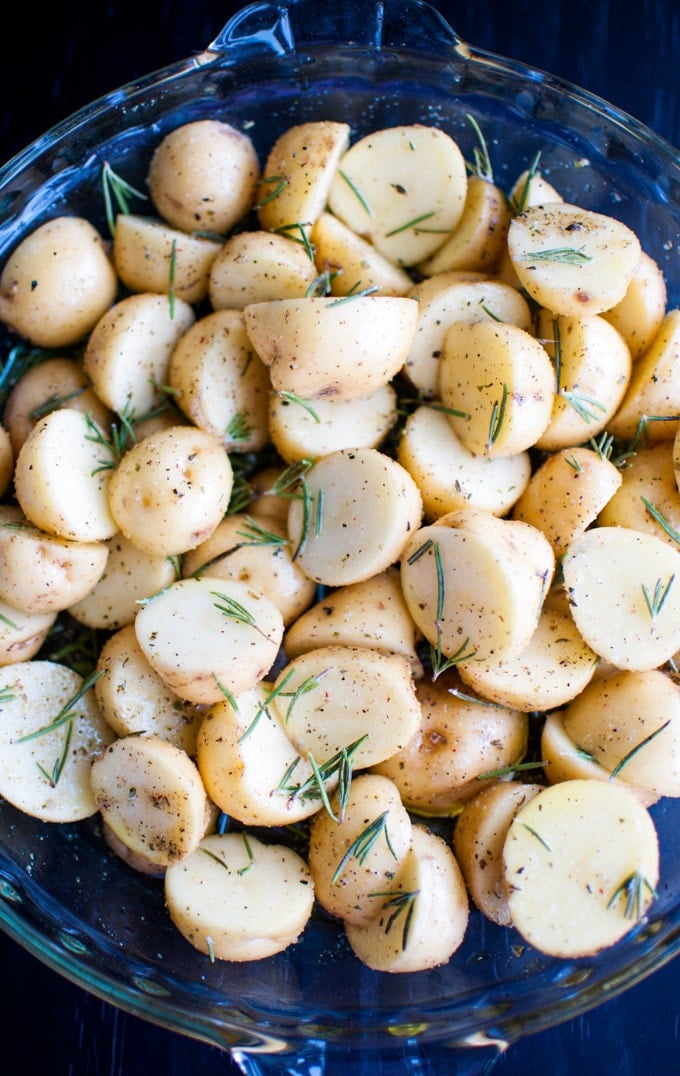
(380, 24)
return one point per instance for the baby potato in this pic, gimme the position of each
(648, 498)
(202, 176)
(478, 240)
(651, 405)
(351, 263)
(255, 266)
(456, 296)
(57, 283)
(301, 431)
(449, 476)
(572, 261)
(219, 383)
(459, 738)
(564, 760)
(50, 732)
(639, 315)
(130, 576)
(206, 638)
(475, 584)
(22, 634)
(297, 175)
(593, 367)
(342, 348)
(379, 191)
(135, 700)
(62, 478)
(236, 898)
(478, 839)
(566, 493)
(357, 509)
(52, 383)
(359, 849)
(257, 553)
(581, 867)
(149, 256)
(498, 385)
(422, 918)
(169, 491)
(128, 352)
(150, 794)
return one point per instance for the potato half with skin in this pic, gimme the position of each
(478, 239)
(475, 585)
(22, 634)
(149, 792)
(651, 405)
(205, 637)
(357, 509)
(639, 315)
(170, 491)
(57, 283)
(352, 263)
(45, 762)
(149, 256)
(423, 918)
(202, 176)
(300, 431)
(572, 260)
(342, 348)
(498, 384)
(359, 849)
(458, 740)
(581, 866)
(648, 498)
(255, 266)
(236, 898)
(130, 576)
(478, 838)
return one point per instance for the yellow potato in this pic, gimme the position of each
(350, 263)
(149, 256)
(648, 498)
(130, 576)
(651, 405)
(255, 266)
(301, 431)
(478, 239)
(638, 316)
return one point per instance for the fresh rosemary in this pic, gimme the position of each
(363, 845)
(633, 890)
(117, 192)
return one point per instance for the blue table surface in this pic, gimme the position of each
(57, 61)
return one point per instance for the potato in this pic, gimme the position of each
(255, 266)
(205, 637)
(449, 297)
(332, 520)
(57, 283)
(135, 700)
(150, 794)
(497, 382)
(554, 667)
(379, 190)
(359, 850)
(342, 348)
(130, 575)
(257, 553)
(54, 382)
(475, 584)
(236, 898)
(648, 498)
(571, 260)
(353, 264)
(581, 865)
(458, 740)
(301, 431)
(51, 730)
(243, 755)
(170, 491)
(564, 760)
(149, 256)
(346, 699)
(42, 573)
(478, 240)
(128, 352)
(593, 368)
(651, 405)
(219, 383)
(369, 613)
(566, 493)
(531, 188)
(423, 918)
(478, 839)
(449, 476)
(62, 478)
(297, 175)
(623, 595)
(639, 314)
(22, 634)
(202, 176)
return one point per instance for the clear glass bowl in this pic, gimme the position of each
(63, 896)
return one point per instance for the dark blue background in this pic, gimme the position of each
(55, 62)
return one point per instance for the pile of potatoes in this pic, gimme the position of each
(364, 473)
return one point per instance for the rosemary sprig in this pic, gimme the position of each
(638, 747)
(19, 360)
(117, 192)
(7, 695)
(10, 623)
(667, 527)
(534, 833)
(633, 889)
(362, 846)
(264, 706)
(67, 712)
(58, 768)
(293, 398)
(519, 203)
(253, 534)
(641, 435)
(410, 224)
(54, 403)
(315, 786)
(121, 436)
(584, 406)
(656, 601)
(238, 428)
(354, 293)
(401, 903)
(497, 418)
(482, 166)
(227, 693)
(565, 255)
(356, 192)
(321, 285)
(249, 853)
(297, 233)
(286, 483)
(306, 518)
(506, 771)
(281, 184)
(234, 610)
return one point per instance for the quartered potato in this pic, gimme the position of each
(252, 267)
(349, 263)
(478, 239)
(150, 256)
